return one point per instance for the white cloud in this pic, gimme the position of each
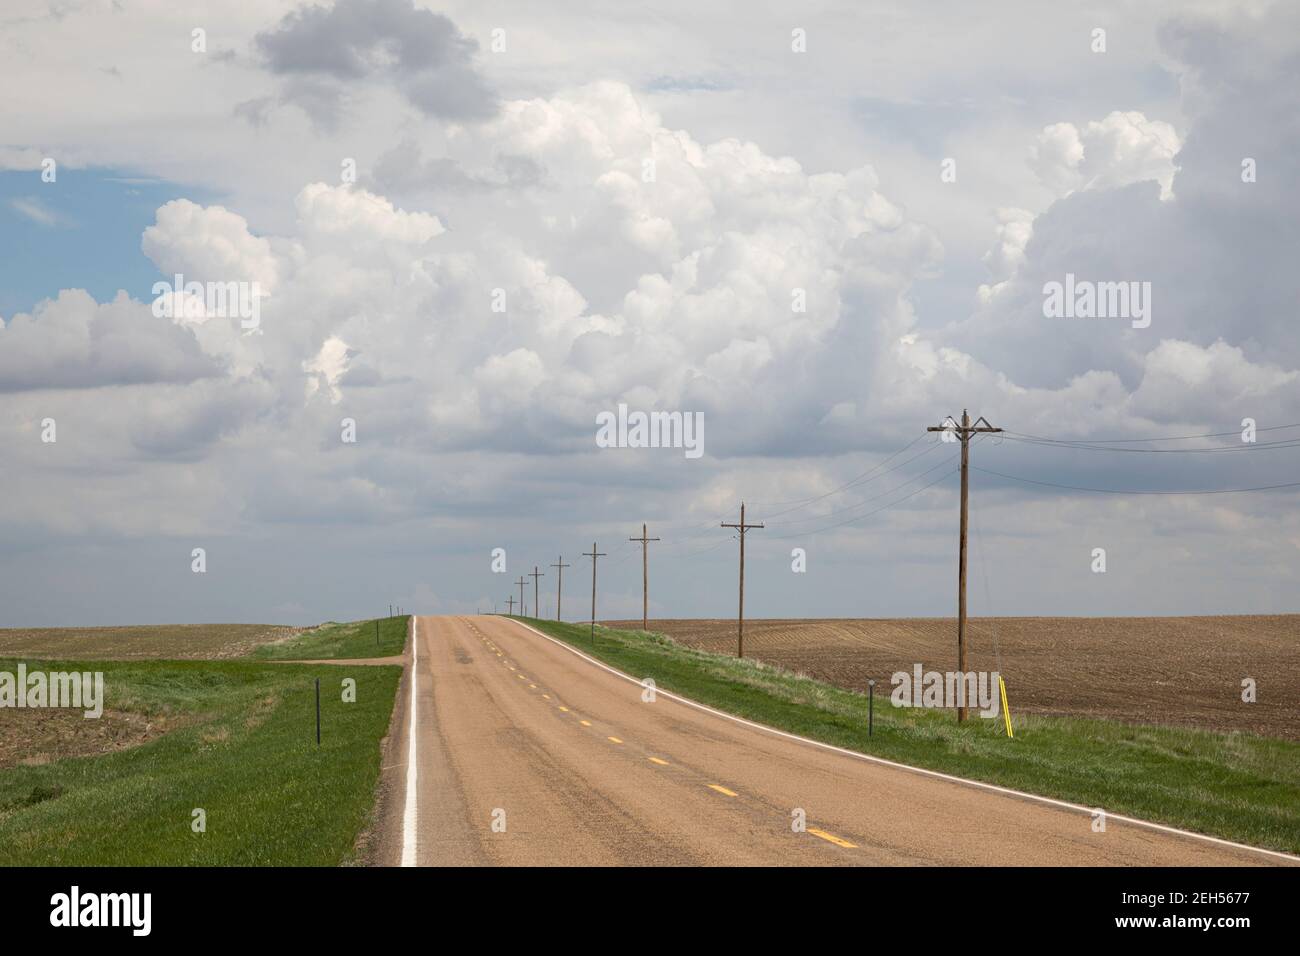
(1122, 148)
(209, 244)
(328, 366)
(73, 341)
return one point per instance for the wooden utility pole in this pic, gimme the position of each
(963, 433)
(511, 605)
(593, 554)
(645, 577)
(523, 611)
(559, 583)
(740, 618)
(535, 574)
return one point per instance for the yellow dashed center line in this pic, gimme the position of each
(563, 708)
(585, 723)
(832, 838)
(546, 696)
(722, 790)
(614, 740)
(662, 763)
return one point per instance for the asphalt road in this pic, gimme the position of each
(527, 754)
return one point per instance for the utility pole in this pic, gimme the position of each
(559, 583)
(521, 582)
(645, 577)
(535, 574)
(740, 619)
(511, 606)
(963, 433)
(593, 554)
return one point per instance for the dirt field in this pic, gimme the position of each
(169, 641)
(1184, 671)
(35, 737)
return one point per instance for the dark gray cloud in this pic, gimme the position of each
(1219, 255)
(420, 52)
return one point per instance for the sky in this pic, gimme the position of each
(474, 229)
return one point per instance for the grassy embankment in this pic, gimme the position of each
(385, 637)
(1231, 785)
(240, 745)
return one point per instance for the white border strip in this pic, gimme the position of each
(410, 817)
(1006, 791)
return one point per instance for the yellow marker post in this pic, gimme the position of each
(1006, 711)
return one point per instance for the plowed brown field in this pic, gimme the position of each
(1183, 671)
(170, 641)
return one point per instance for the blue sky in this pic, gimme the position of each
(90, 238)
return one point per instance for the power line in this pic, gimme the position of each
(864, 500)
(1121, 441)
(1089, 446)
(712, 547)
(848, 484)
(840, 524)
(1121, 491)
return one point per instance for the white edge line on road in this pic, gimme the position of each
(410, 817)
(1007, 791)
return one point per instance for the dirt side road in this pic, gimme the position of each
(513, 728)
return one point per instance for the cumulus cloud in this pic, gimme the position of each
(328, 367)
(1122, 148)
(209, 244)
(74, 342)
(1014, 230)
(361, 216)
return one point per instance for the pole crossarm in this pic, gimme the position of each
(964, 429)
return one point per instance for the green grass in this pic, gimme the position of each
(1232, 785)
(244, 749)
(382, 637)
